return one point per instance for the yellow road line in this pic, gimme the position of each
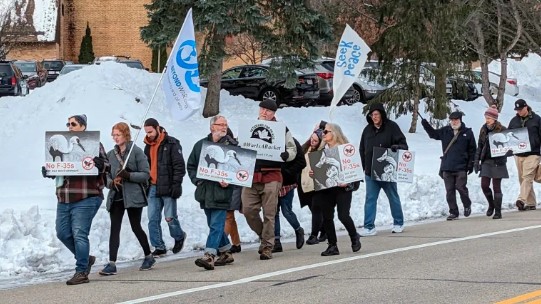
(524, 297)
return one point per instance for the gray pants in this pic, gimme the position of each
(456, 181)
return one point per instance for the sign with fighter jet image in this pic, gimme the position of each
(389, 166)
(226, 163)
(335, 166)
(71, 153)
(514, 139)
(268, 138)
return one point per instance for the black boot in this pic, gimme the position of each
(331, 250)
(277, 246)
(299, 237)
(490, 200)
(497, 206)
(356, 243)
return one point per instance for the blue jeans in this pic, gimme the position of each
(371, 202)
(217, 240)
(286, 204)
(169, 207)
(73, 223)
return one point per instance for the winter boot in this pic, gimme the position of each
(299, 238)
(277, 246)
(497, 206)
(312, 240)
(356, 242)
(207, 261)
(331, 250)
(224, 259)
(490, 200)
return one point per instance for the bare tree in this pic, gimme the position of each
(13, 29)
(245, 47)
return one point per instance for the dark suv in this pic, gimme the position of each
(53, 68)
(12, 80)
(133, 63)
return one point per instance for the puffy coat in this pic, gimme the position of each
(483, 147)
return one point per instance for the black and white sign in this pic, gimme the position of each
(335, 166)
(517, 140)
(71, 153)
(389, 166)
(265, 137)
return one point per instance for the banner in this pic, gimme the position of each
(268, 138)
(227, 163)
(389, 166)
(350, 59)
(181, 82)
(517, 140)
(335, 166)
(71, 153)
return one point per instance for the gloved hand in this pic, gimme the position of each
(509, 153)
(470, 170)
(284, 155)
(44, 173)
(395, 148)
(477, 167)
(123, 174)
(176, 191)
(99, 163)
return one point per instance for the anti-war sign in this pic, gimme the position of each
(389, 166)
(515, 139)
(230, 164)
(335, 166)
(71, 153)
(268, 138)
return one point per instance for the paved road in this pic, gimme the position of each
(474, 260)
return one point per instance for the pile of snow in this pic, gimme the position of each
(108, 94)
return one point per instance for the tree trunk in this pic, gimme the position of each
(485, 87)
(440, 98)
(415, 110)
(212, 100)
(503, 80)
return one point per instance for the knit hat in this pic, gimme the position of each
(456, 115)
(151, 122)
(268, 104)
(81, 119)
(492, 112)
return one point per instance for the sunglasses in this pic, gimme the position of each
(325, 132)
(73, 124)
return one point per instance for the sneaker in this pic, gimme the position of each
(78, 278)
(277, 246)
(322, 237)
(331, 250)
(148, 262)
(467, 212)
(109, 269)
(179, 244)
(207, 261)
(397, 229)
(299, 236)
(452, 217)
(224, 259)
(369, 232)
(91, 261)
(312, 240)
(235, 248)
(356, 243)
(520, 205)
(159, 253)
(266, 253)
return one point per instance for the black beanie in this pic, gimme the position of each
(151, 122)
(268, 104)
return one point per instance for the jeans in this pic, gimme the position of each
(456, 181)
(373, 188)
(286, 204)
(217, 240)
(73, 221)
(169, 207)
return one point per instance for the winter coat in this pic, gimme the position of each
(493, 167)
(388, 134)
(461, 155)
(292, 169)
(134, 189)
(171, 166)
(533, 122)
(209, 194)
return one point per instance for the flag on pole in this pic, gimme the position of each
(350, 59)
(181, 84)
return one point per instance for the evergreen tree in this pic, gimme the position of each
(162, 58)
(86, 53)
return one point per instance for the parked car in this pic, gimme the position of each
(463, 89)
(115, 58)
(133, 63)
(251, 81)
(12, 80)
(34, 70)
(70, 68)
(53, 68)
(511, 85)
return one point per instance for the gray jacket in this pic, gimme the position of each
(134, 190)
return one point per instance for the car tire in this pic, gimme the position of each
(358, 96)
(270, 94)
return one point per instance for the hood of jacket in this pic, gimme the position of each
(379, 107)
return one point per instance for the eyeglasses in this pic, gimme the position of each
(325, 132)
(73, 124)
(220, 125)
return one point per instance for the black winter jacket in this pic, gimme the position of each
(483, 146)
(461, 155)
(387, 135)
(533, 123)
(171, 166)
(291, 170)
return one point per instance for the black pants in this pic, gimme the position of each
(326, 200)
(456, 181)
(317, 221)
(134, 214)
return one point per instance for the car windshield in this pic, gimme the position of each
(26, 67)
(53, 65)
(5, 70)
(136, 65)
(68, 69)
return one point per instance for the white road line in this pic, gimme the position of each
(322, 264)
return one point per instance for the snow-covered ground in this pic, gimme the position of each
(29, 249)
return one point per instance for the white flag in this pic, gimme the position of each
(181, 82)
(350, 59)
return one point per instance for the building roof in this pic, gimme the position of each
(37, 19)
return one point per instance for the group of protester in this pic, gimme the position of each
(153, 177)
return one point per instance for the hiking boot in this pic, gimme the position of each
(331, 250)
(109, 269)
(207, 261)
(452, 217)
(179, 244)
(277, 246)
(355, 243)
(224, 259)
(520, 205)
(78, 278)
(397, 229)
(526, 208)
(299, 236)
(312, 240)
(235, 248)
(467, 212)
(322, 237)
(91, 261)
(369, 232)
(266, 253)
(260, 250)
(159, 253)
(148, 262)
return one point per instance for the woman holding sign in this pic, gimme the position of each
(338, 196)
